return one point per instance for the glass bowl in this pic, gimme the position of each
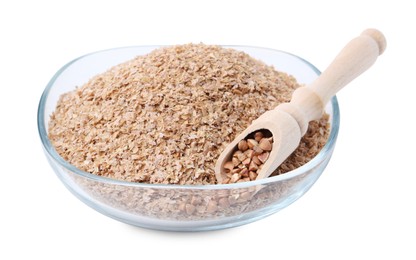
(181, 207)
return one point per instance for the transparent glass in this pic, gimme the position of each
(181, 207)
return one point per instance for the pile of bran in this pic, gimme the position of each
(165, 117)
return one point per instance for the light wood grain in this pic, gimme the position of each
(288, 122)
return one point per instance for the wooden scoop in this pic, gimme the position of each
(288, 122)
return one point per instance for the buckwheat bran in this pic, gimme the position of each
(166, 116)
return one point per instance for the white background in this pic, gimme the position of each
(362, 207)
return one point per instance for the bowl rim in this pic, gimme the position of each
(49, 149)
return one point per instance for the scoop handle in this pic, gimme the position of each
(308, 103)
(356, 57)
